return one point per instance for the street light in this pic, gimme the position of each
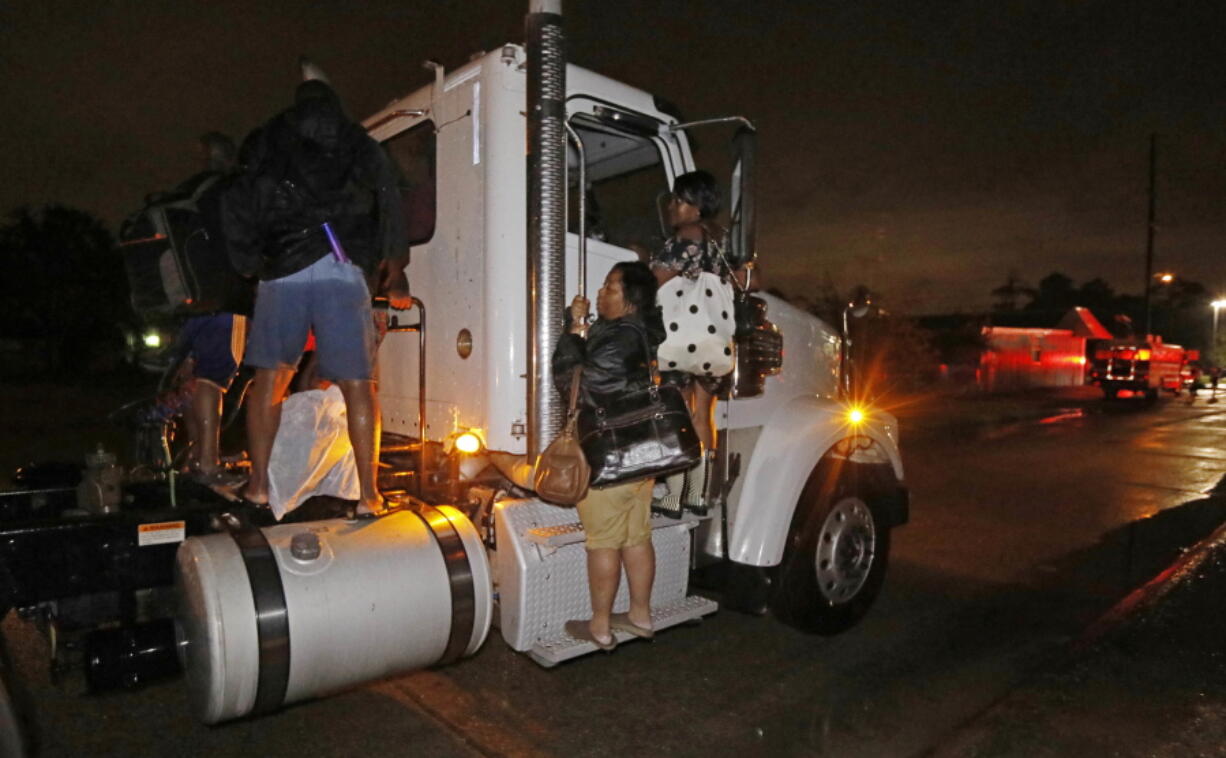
(1216, 305)
(1156, 280)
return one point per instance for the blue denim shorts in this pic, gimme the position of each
(215, 342)
(327, 297)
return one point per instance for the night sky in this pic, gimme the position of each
(922, 148)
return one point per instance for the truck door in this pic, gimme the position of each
(628, 168)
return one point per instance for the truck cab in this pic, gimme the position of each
(814, 480)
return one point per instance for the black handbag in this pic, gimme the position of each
(641, 433)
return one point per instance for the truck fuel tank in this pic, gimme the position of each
(290, 612)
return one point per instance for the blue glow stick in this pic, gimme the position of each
(338, 252)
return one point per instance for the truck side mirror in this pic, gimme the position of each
(856, 317)
(742, 206)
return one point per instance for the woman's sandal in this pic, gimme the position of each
(622, 623)
(580, 630)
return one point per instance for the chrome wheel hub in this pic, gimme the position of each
(846, 546)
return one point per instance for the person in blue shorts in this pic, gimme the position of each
(213, 342)
(318, 218)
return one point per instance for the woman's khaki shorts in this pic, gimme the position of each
(617, 516)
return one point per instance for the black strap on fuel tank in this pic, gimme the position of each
(271, 617)
(460, 576)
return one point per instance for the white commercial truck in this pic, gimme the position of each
(526, 179)
(501, 241)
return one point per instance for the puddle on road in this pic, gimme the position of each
(1064, 414)
(1057, 416)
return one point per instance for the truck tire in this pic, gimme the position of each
(1111, 393)
(835, 560)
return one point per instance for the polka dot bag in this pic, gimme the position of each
(699, 323)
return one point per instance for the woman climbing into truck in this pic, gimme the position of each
(616, 519)
(693, 249)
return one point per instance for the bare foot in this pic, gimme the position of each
(252, 496)
(600, 632)
(372, 507)
(641, 621)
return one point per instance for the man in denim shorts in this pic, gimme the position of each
(318, 218)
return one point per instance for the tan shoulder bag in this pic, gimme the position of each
(562, 472)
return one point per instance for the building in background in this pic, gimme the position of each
(1018, 358)
(1023, 350)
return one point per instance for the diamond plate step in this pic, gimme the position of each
(551, 652)
(567, 534)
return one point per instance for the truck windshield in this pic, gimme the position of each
(625, 175)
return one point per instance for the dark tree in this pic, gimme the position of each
(64, 288)
(1180, 312)
(1055, 293)
(1008, 294)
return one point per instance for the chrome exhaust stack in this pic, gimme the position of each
(546, 214)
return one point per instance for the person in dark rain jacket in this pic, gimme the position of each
(318, 218)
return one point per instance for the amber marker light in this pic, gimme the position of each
(855, 415)
(468, 443)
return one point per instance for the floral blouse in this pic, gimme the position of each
(686, 258)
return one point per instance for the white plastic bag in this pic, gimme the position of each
(699, 323)
(312, 454)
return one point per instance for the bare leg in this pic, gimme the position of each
(362, 410)
(640, 562)
(204, 428)
(263, 420)
(191, 425)
(603, 574)
(703, 411)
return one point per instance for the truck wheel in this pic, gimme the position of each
(835, 560)
(1111, 393)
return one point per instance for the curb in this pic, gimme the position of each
(1147, 596)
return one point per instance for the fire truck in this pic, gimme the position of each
(266, 614)
(1142, 367)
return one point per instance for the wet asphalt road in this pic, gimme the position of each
(1019, 538)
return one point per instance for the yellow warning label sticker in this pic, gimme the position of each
(161, 533)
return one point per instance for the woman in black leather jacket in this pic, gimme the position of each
(616, 352)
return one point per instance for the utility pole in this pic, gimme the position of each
(1149, 241)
